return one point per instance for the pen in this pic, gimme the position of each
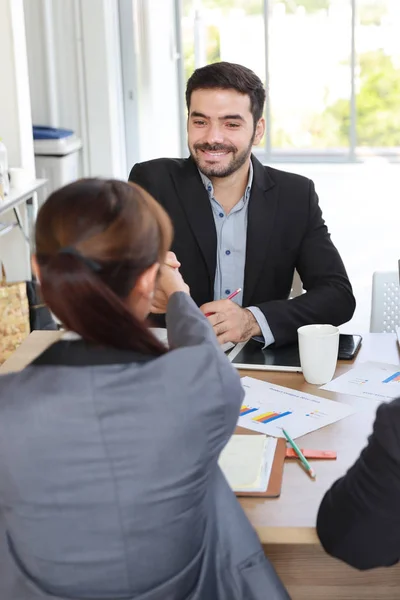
(299, 453)
(235, 293)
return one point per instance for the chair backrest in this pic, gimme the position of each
(385, 307)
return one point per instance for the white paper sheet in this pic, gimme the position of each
(376, 381)
(277, 407)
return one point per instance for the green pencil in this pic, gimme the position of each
(301, 456)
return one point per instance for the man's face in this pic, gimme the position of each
(221, 131)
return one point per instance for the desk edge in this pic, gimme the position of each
(287, 535)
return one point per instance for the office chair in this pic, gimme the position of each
(385, 307)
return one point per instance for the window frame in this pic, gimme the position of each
(267, 154)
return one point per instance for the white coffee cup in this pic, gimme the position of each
(318, 348)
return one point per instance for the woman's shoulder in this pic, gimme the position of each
(10, 384)
(6, 380)
(202, 360)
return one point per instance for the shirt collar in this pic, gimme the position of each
(210, 189)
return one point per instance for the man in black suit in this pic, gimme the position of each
(239, 224)
(359, 517)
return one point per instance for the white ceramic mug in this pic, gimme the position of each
(318, 348)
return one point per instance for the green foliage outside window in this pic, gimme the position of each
(377, 104)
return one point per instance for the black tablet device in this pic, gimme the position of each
(250, 355)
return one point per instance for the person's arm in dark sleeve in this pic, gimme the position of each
(359, 517)
(328, 298)
(140, 175)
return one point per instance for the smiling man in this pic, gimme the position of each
(239, 224)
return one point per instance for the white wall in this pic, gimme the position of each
(157, 79)
(15, 125)
(75, 76)
(15, 112)
(101, 50)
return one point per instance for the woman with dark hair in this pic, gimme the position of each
(109, 483)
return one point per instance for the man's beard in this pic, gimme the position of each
(237, 161)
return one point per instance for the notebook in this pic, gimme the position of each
(250, 355)
(253, 464)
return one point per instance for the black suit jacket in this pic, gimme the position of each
(285, 232)
(359, 517)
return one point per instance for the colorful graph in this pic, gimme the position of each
(270, 416)
(316, 414)
(395, 378)
(358, 381)
(245, 410)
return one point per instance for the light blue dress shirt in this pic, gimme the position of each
(231, 251)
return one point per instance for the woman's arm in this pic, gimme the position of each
(188, 327)
(186, 324)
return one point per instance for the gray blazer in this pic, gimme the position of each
(109, 482)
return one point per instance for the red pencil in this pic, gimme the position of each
(235, 293)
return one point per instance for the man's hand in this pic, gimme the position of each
(167, 281)
(230, 322)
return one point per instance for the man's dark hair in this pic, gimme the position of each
(225, 75)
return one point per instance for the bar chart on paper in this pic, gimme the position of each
(395, 378)
(271, 416)
(375, 381)
(268, 408)
(246, 410)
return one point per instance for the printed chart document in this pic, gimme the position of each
(246, 462)
(376, 381)
(267, 408)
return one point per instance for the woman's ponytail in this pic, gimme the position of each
(94, 239)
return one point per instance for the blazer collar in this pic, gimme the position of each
(260, 225)
(261, 214)
(78, 353)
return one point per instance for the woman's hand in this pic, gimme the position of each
(169, 281)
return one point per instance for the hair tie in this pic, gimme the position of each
(92, 264)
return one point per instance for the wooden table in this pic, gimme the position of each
(286, 526)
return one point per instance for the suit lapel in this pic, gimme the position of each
(196, 204)
(260, 224)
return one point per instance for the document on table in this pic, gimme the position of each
(376, 381)
(267, 408)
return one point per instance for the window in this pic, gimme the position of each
(331, 70)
